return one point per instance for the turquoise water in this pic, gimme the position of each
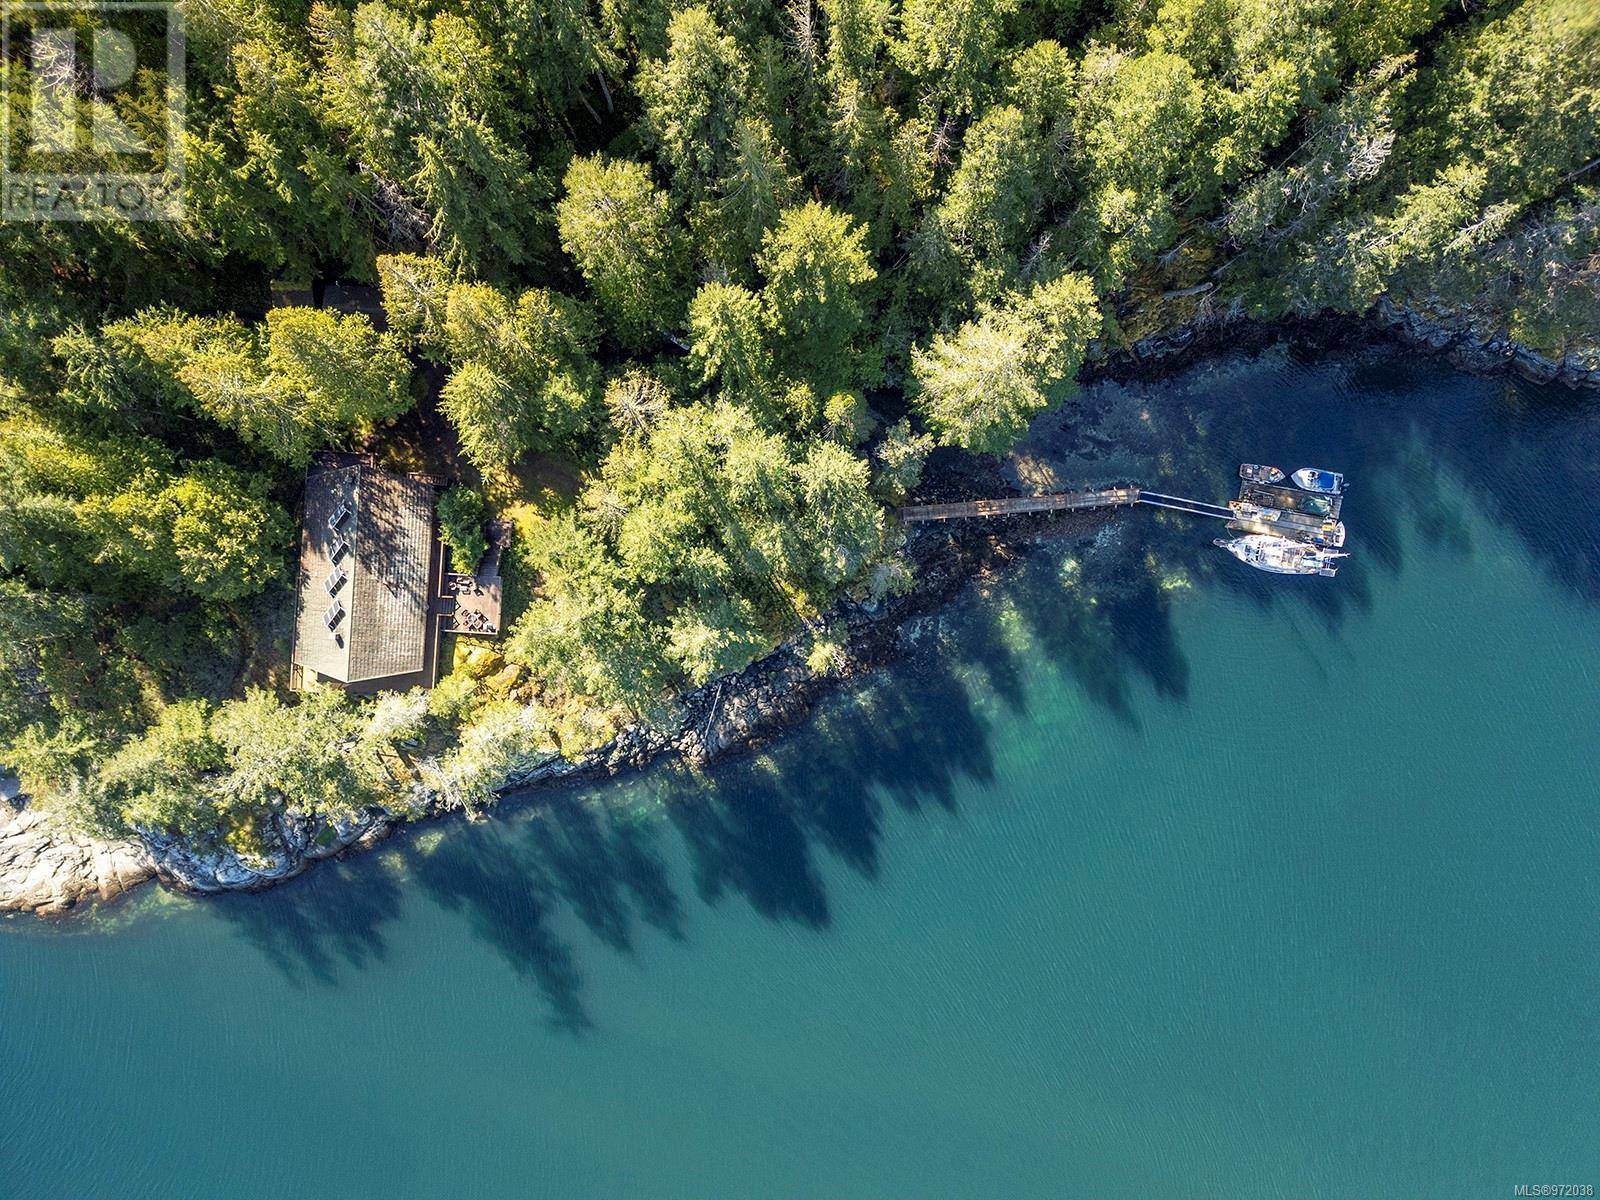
(1143, 875)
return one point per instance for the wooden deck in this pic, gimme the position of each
(1055, 502)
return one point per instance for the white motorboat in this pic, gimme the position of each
(1315, 479)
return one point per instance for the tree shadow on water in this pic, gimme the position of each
(508, 898)
(753, 826)
(1527, 453)
(336, 917)
(601, 857)
(312, 927)
(749, 824)
(606, 868)
(1103, 618)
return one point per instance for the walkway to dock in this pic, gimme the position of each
(1200, 508)
(1121, 497)
(1293, 513)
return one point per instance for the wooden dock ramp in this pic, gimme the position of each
(1121, 497)
(1293, 512)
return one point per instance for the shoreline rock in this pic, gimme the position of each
(1454, 340)
(1471, 350)
(51, 870)
(47, 868)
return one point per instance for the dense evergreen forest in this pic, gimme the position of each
(697, 289)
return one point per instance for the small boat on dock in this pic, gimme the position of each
(1315, 479)
(1281, 556)
(1259, 473)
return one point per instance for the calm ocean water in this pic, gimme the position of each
(1144, 875)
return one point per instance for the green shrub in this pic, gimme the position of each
(461, 517)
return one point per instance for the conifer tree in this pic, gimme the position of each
(980, 386)
(619, 228)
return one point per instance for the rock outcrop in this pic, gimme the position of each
(1453, 337)
(1472, 350)
(300, 842)
(46, 867)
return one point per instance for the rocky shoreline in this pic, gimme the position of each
(48, 869)
(1456, 341)
(1477, 352)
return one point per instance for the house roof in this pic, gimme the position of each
(388, 536)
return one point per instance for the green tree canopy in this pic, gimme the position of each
(994, 194)
(728, 340)
(209, 532)
(979, 387)
(694, 99)
(951, 51)
(461, 525)
(303, 379)
(817, 269)
(524, 377)
(619, 228)
(1137, 121)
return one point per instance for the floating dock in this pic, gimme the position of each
(1289, 512)
(1312, 504)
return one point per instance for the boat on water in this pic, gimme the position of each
(1281, 556)
(1315, 479)
(1260, 473)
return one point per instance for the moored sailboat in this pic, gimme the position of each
(1281, 556)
